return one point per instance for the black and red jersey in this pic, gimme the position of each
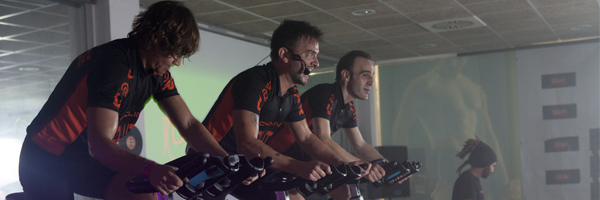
(257, 90)
(110, 76)
(323, 100)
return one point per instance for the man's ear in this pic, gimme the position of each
(345, 74)
(281, 53)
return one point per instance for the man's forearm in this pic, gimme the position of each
(201, 140)
(320, 151)
(254, 147)
(368, 153)
(339, 151)
(112, 155)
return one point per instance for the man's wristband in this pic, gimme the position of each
(147, 168)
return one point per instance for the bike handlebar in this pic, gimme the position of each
(341, 175)
(213, 176)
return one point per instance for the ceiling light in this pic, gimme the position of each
(453, 24)
(29, 69)
(581, 27)
(427, 46)
(363, 12)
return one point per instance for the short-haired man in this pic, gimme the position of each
(329, 107)
(257, 102)
(482, 160)
(70, 145)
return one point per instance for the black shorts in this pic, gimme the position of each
(46, 176)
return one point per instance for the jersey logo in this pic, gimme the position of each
(301, 112)
(168, 80)
(330, 105)
(264, 97)
(122, 131)
(261, 123)
(118, 98)
(129, 75)
(264, 136)
(353, 111)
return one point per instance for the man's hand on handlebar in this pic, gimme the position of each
(377, 172)
(249, 180)
(364, 166)
(313, 170)
(164, 179)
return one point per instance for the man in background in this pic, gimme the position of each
(482, 160)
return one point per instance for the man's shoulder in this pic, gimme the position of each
(467, 176)
(321, 89)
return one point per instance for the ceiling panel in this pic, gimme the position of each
(377, 43)
(436, 51)
(349, 37)
(517, 25)
(253, 3)
(439, 44)
(439, 14)
(394, 55)
(199, 6)
(338, 28)
(412, 6)
(259, 26)
(574, 18)
(478, 39)
(281, 9)
(468, 31)
(346, 13)
(489, 7)
(382, 22)
(227, 17)
(315, 18)
(328, 5)
(509, 23)
(417, 39)
(395, 31)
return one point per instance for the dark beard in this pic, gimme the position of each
(486, 172)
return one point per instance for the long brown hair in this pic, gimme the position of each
(168, 26)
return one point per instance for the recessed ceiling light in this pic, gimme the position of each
(427, 46)
(581, 27)
(453, 24)
(363, 12)
(29, 69)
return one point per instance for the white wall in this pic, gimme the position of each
(581, 59)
